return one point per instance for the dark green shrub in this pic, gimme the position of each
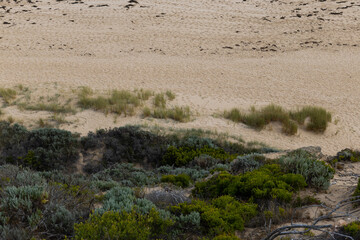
(126, 144)
(194, 173)
(319, 118)
(305, 201)
(183, 155)
(316, 173)
(346, 155)
(223, 215)
(122, 225)
(226, 237)
(181, 180)
(267, 182)
(353, 229)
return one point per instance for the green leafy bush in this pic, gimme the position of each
(122, 225)
(353, 229)
(222, 215)
(181, 180)
(316, 173)
(268, 182)
(183, 155)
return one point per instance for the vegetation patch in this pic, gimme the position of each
(316, 173)
(267, 183)
(7, 94)
(181, 180)
(258, 119)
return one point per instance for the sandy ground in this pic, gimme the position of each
(214, 54)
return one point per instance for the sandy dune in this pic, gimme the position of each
(213, 54)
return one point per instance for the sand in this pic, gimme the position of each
(214, 55)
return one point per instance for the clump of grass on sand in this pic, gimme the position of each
(179, 114)
(318, 118)
(170, 95)
(7, 94)
(159, 100)
(119, 102)
(49, 107)
(260, 118)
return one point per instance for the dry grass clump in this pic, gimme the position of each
(170, 95)
(318, 117)
(159, 100)
(179, 114)
(49, 107)
(258, 119)
(119, 102)
(7, 94)
(144, 94)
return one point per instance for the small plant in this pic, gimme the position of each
(317, 173)
(7, 94)
(146, 112)
(159, 100)
(181, 180)
(170, 95)
(144, 94)
(319, 118)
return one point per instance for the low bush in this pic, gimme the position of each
(352, 229)
(346, 155)
(123, 225)
(222, 215)
(183, 155)
(181, 180)
(316, 173)
(247, 163)
(266, 183)
(194, 173)
(305, 201)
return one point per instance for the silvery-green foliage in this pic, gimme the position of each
(204, 162)
(191, 220)
(21, 197)
(315, 172)
(143, 205)
(9, 233)
(118, 199)
(127, 175)
(59, 220)
(247, 163)
(225, 167)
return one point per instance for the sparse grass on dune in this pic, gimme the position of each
(258, 119)
(159, 100)
(7, 94)
(179, 114)
(49, 107)
(119, 102)
(171, 96)
(318, 116)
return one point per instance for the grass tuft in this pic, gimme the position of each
(159, 100)
(7, 94)
(170, 95)
(258, 119)
(179, 114)
(318, 117)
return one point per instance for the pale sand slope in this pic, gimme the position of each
(213, 54)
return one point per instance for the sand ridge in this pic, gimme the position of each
(214, 55)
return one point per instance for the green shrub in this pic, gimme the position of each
(346, 155)
(226, 237)
(181, 180)
(194, 173)
(353, 229)
(319, 118)
(122, 225)
(316, 173)
(305, 201)
(183, 155)
(268, 182)
(222, 215)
